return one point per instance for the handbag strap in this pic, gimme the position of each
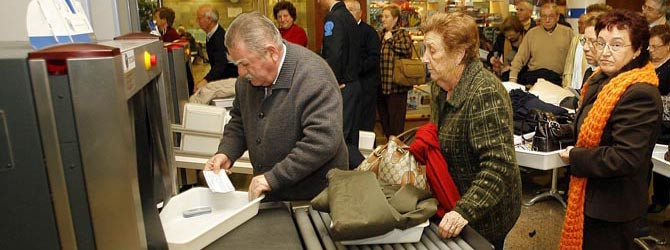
(536, 117)
(418, 56)
(408, 135)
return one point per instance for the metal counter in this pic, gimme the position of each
(278, 227)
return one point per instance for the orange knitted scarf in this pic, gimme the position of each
(590, 134)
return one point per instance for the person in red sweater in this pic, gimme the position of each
(284, 13)
(164, 18)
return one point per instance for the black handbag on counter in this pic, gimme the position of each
(549, 134)
(525, 105)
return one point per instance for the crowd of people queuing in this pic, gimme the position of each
(619, 62)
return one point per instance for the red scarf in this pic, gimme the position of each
(426, 150)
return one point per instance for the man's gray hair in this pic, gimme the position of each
(552, 6)
(663, 4)
(353, 5)
(526, 4)
(253, 30)
(211, 12)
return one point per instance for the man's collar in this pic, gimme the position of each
(662, 62)
(660, 20)
(550, 30)
(527, 24)
(211, 32)
(281, 63)
(593, 68)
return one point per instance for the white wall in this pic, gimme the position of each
(579, 4)
(103, 14)
(13, 18)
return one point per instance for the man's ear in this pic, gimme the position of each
(274, 52)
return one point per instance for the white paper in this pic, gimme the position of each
(51, 12)
(55, 21)
(218, 183)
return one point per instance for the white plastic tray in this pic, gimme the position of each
(229, 210)
(224, 102)
(661, 166)
(409, 235)
(539, 160)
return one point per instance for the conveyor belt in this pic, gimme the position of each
(272, 228)
(468, 240)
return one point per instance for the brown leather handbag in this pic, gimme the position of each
(393, 163)
(409, 71)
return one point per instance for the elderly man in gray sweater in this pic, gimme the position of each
(287, 112)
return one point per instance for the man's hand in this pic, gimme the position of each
(258, 185)
(199, 85)
(218, 162)
(505, 67)
(514, 80)
(451, 225)
(565, 154)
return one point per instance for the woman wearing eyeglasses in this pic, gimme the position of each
(616, 125)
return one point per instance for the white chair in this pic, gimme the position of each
(201, 132)
(202, 128)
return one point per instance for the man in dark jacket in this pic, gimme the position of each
(286, 113)
(341, 46)
(369, 75)
(207, 18)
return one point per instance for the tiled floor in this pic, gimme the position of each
(199, 70)
(539, 226)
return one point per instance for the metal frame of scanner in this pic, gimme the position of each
(179, 65)
(85, 96)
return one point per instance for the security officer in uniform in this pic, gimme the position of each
(341, 46)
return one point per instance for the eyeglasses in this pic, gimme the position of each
(647, 7)
(655, 47)
(600, 45)
(548, 16)
(584, 41)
